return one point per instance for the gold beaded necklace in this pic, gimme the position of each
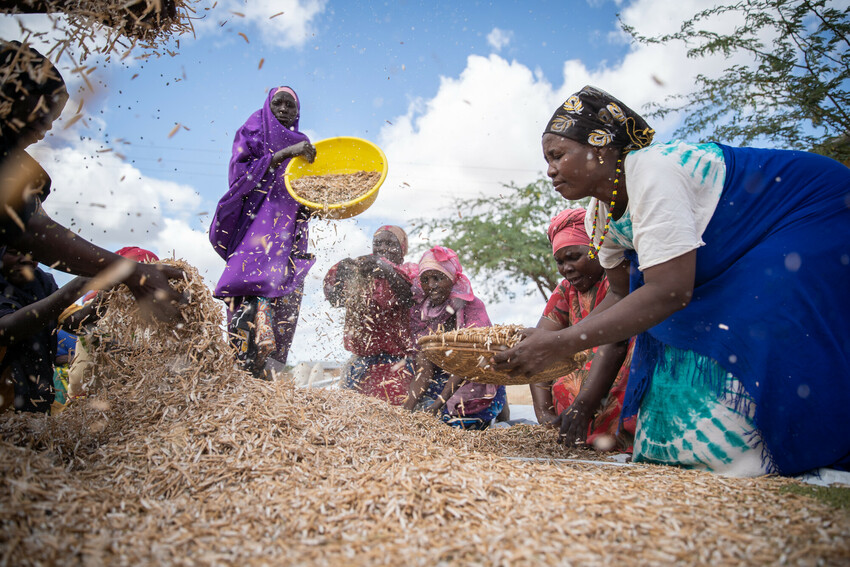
(591, 253)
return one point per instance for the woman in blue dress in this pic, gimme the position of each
(731, 267)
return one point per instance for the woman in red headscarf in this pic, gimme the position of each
(376, 293)
(577, 403)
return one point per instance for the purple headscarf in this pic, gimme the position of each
(256, 227)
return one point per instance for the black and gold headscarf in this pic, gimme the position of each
(593, 117)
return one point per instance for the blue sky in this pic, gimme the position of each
(456, 94)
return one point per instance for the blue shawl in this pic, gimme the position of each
(771, 305)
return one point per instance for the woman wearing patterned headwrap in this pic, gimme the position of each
(261, 232)
(585, 404)
(739, 254)
(444, 301)
(375, 291)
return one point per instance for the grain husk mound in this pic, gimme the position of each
(182, 459)
(334, 188)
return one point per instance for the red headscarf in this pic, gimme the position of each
(137, 254)
(131, 253)
(567, 229)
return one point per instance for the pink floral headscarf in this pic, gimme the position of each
(445, 261)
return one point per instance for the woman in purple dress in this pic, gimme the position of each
(261, 232)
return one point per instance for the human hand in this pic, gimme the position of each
(537, 351)
(306, 150)
(156, 298)
(548, 419)
(572, 424)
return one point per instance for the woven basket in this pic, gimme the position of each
(467, 353)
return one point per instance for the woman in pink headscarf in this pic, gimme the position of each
(261, 232)
(444, 301)
(375, 291)
(577, 403)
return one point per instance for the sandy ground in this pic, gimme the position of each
(519, 395)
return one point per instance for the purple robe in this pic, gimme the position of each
(258, 228)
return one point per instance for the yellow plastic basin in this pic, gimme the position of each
(339, 155)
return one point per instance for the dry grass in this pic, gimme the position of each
(182, 459)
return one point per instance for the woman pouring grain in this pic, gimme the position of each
(261, 231)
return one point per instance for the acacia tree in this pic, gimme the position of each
(503, 238)
(794, 95)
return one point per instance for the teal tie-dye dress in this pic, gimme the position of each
(682, 420)
(753, 375)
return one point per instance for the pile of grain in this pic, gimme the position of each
(182, 459)
(109, 26)
(334, 188)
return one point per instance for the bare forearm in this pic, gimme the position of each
(85, 316)
(541, 398)
(32, 318)
(448, 390)
(54, 245)
(603, 372)
(635, 313)
(424, 374)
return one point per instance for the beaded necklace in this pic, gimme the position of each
(591, 253)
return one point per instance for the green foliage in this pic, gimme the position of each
(503, 239)
(794, 95)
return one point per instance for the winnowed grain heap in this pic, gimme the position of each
(180, 458)
(334, 188)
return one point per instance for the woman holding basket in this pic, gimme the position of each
(444, 302)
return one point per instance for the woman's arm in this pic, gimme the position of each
(86, 316)
(374, 266)
(573, 422)
(32, 318)
(424, 374)
(452, 384)
(305, 149)
(52, 244)
(668, 288)
(541, 392)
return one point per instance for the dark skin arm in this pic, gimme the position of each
(54, 245)
(424, 375)
(573, 421)
(375, 266)
(86, 316)
(449, 389)
(541, 392)
(32, 318)
(304, 149)
(621, 315)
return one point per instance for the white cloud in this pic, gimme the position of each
(483, 127)
(498, 38)
(107, 200)
(285, 23)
